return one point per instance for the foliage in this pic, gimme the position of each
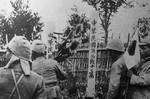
(5, 28)
(75, 33)
(78, 27)
(144, 26)
(22, 21)
(106, 9)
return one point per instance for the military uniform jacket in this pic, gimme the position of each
(49, 69)
(30, 87)
(118, 82)
(140, 83)
(52, 73)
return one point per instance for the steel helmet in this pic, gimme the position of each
(38, 46)
(116, 45)
(20, 47)
(144, 42)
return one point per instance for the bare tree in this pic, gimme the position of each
(106, 9)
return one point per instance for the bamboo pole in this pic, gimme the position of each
(6, 39)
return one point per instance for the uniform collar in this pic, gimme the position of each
(25, 66)
(39, 58)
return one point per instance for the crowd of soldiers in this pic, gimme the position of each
(29, 75)
(130, 83)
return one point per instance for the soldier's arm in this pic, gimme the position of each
(59, 71)
(40, 92)
(114, 82)
(143, 80)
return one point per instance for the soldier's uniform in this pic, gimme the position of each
(16, 79)
(49, 69)
(117, 82)
(140, 76)
(136, 80)
(140, 82)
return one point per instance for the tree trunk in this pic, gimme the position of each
(106, 36)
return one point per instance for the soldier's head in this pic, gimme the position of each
(19, 52)
(144, 50)
(20, 47)
(38, 49)
(116, 48)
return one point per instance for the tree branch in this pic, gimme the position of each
(108, 18)
(102, 21)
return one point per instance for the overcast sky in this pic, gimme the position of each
(55, 13)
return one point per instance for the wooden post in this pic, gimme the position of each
(47, 52)
(6, 39)
(92, 62)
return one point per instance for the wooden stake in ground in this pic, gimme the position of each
(92, 62)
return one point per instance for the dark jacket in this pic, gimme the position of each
(118, 82)
(30, 87)
(139, 87)
(135, 87)
(52, 73)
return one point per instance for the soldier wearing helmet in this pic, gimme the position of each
(116, 47)
(117, 79)
(48, 68)
(140, 74)
(134, 81)
(17, 81)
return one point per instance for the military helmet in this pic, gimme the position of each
(144, 43)
(116, 45)
(20, 47)
(38, 46)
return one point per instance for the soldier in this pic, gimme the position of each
(48, 68)
(140, 75)
(17, 81)
(136, 80)
(117, 81)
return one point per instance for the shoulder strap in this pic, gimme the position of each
(16, 85)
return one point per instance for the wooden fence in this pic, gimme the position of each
(79, 67)
(2, 59)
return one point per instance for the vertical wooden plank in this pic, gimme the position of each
(92, 62)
